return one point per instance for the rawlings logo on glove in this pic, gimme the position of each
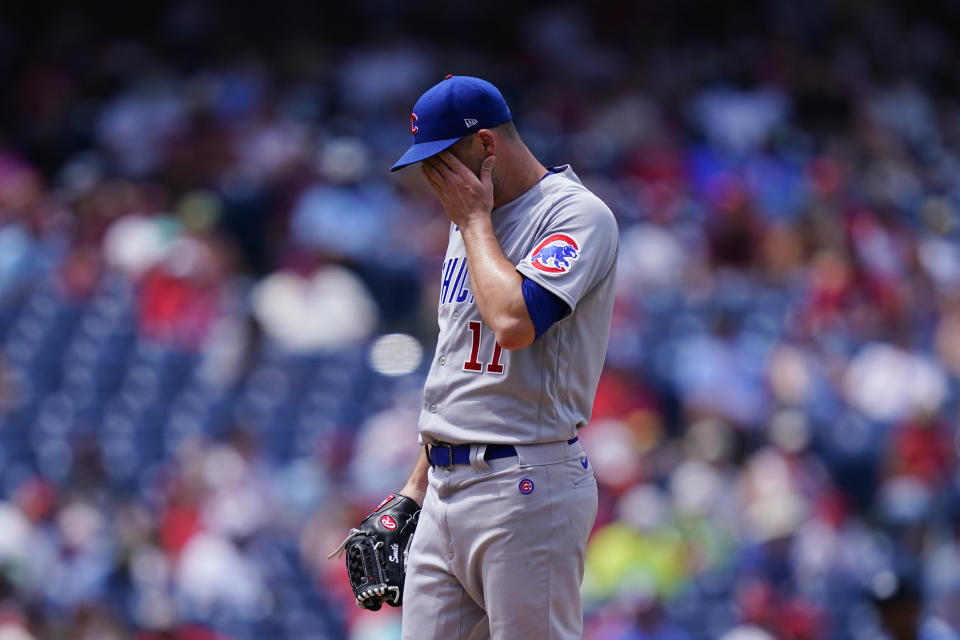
(374, 577)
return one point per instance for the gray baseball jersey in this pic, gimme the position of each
(565, 239)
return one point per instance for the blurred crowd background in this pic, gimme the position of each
(217, 307)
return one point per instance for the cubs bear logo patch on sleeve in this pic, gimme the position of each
(555, 254)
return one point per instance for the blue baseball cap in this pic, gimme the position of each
(455, 107)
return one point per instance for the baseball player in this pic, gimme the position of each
(526, 294)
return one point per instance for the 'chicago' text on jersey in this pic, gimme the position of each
(454, 286)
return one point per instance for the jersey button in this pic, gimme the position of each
(433, 408)
(456, 315)
(443, 361)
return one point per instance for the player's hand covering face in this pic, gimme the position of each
(463, 195)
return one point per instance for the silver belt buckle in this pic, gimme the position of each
(449, 447)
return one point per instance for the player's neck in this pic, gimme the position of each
(519, 174)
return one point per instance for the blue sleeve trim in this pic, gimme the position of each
(544, 307)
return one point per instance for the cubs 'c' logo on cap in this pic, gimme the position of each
(413, 128)
(554, 254)
(526, 486)
(388, 523)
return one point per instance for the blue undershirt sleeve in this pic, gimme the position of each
(544, 307)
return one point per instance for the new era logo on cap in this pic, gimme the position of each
(436, 119)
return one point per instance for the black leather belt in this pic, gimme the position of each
(446, 455)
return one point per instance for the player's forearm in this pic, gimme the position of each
(497, 287)
(416, 487)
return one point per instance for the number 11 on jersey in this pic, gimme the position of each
(494, 366)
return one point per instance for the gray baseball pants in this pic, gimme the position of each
(499, 549)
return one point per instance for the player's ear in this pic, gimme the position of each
(487, 142)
